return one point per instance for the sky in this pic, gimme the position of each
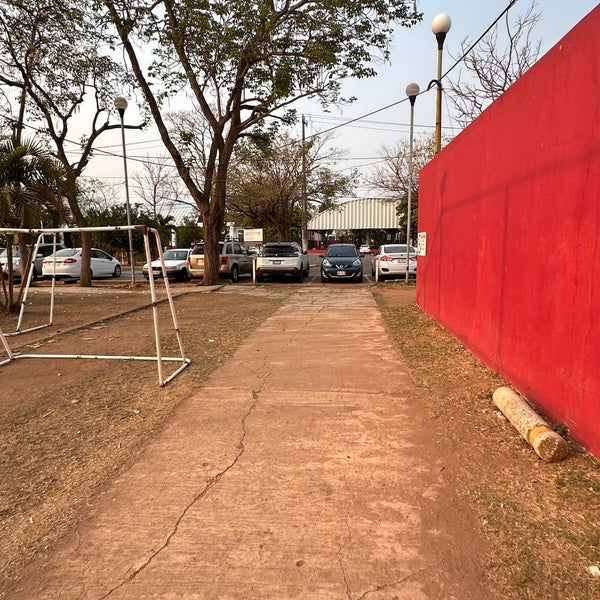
(413, 59)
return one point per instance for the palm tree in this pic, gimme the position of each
(30, 183)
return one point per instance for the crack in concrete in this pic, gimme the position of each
(240, 446)
(384, 586)
(339, 557)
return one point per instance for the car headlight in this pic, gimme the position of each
(326, 263)
(356, 263)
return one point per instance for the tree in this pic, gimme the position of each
(493, 65)
(30, 184)
(265, 181)
(244, 61)
(159, 186)
(56, 58)
(393, 177)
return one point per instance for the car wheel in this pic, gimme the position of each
(360, 279)
(235, 273)
(323, 279)
(35, 275)
(184, 275)
(91, 274)
(117, 271)
(299, 276)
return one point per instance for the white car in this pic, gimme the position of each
(365, 249)
(43, 250)
(390, 261)
(66, 264)
(282, 258)
(176, 263)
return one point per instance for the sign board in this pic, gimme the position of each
(422, 243)
(253, 235)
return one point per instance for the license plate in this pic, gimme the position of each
(341, 273)
(276, 262)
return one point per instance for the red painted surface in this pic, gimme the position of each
(511, 209)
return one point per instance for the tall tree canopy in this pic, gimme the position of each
(393, 177)
(243, 61)
(266, 181)
(55, 61)
(494, 64)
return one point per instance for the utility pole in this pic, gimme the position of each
(304, 198)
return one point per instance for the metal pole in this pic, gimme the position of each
(438, 105)
(131, 260)
(304, 198)
(440, 27)
(412, 97)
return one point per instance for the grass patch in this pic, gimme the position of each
(542, 521)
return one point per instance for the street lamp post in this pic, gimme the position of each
(440, 27)
(121, 105)
(412, 90)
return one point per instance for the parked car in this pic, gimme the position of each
(67, 263)
(16, 263)
(365, 249)
(176, 264)
(341, 262)
(282, 258)
(391, 261)
(43, 250)
(235, 260)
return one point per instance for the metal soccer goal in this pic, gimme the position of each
(158, 358)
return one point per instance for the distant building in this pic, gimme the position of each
(360, 215)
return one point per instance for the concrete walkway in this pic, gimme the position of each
(302, 469)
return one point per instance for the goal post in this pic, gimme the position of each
(147, 233)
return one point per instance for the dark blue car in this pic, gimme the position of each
(341, 262)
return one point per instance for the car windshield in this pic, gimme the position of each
(342, 251)
(176, 255)
(280, 251)
(68, 252)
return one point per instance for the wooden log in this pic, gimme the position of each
(547, 444)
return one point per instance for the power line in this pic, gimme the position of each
(347, 123)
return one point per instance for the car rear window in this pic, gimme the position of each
(199, 248)
(67, 252)
(280, 251)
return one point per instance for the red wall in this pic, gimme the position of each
(511, 211)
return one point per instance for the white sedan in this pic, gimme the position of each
(66, 264)
(390, 261)
(176, 263)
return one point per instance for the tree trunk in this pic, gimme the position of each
(212, 258)
(86, 237)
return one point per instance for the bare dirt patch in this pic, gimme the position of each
(67, 427)
(542, 520)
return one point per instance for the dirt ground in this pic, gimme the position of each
(68, 427)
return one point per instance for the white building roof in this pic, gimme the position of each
(362, 213)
